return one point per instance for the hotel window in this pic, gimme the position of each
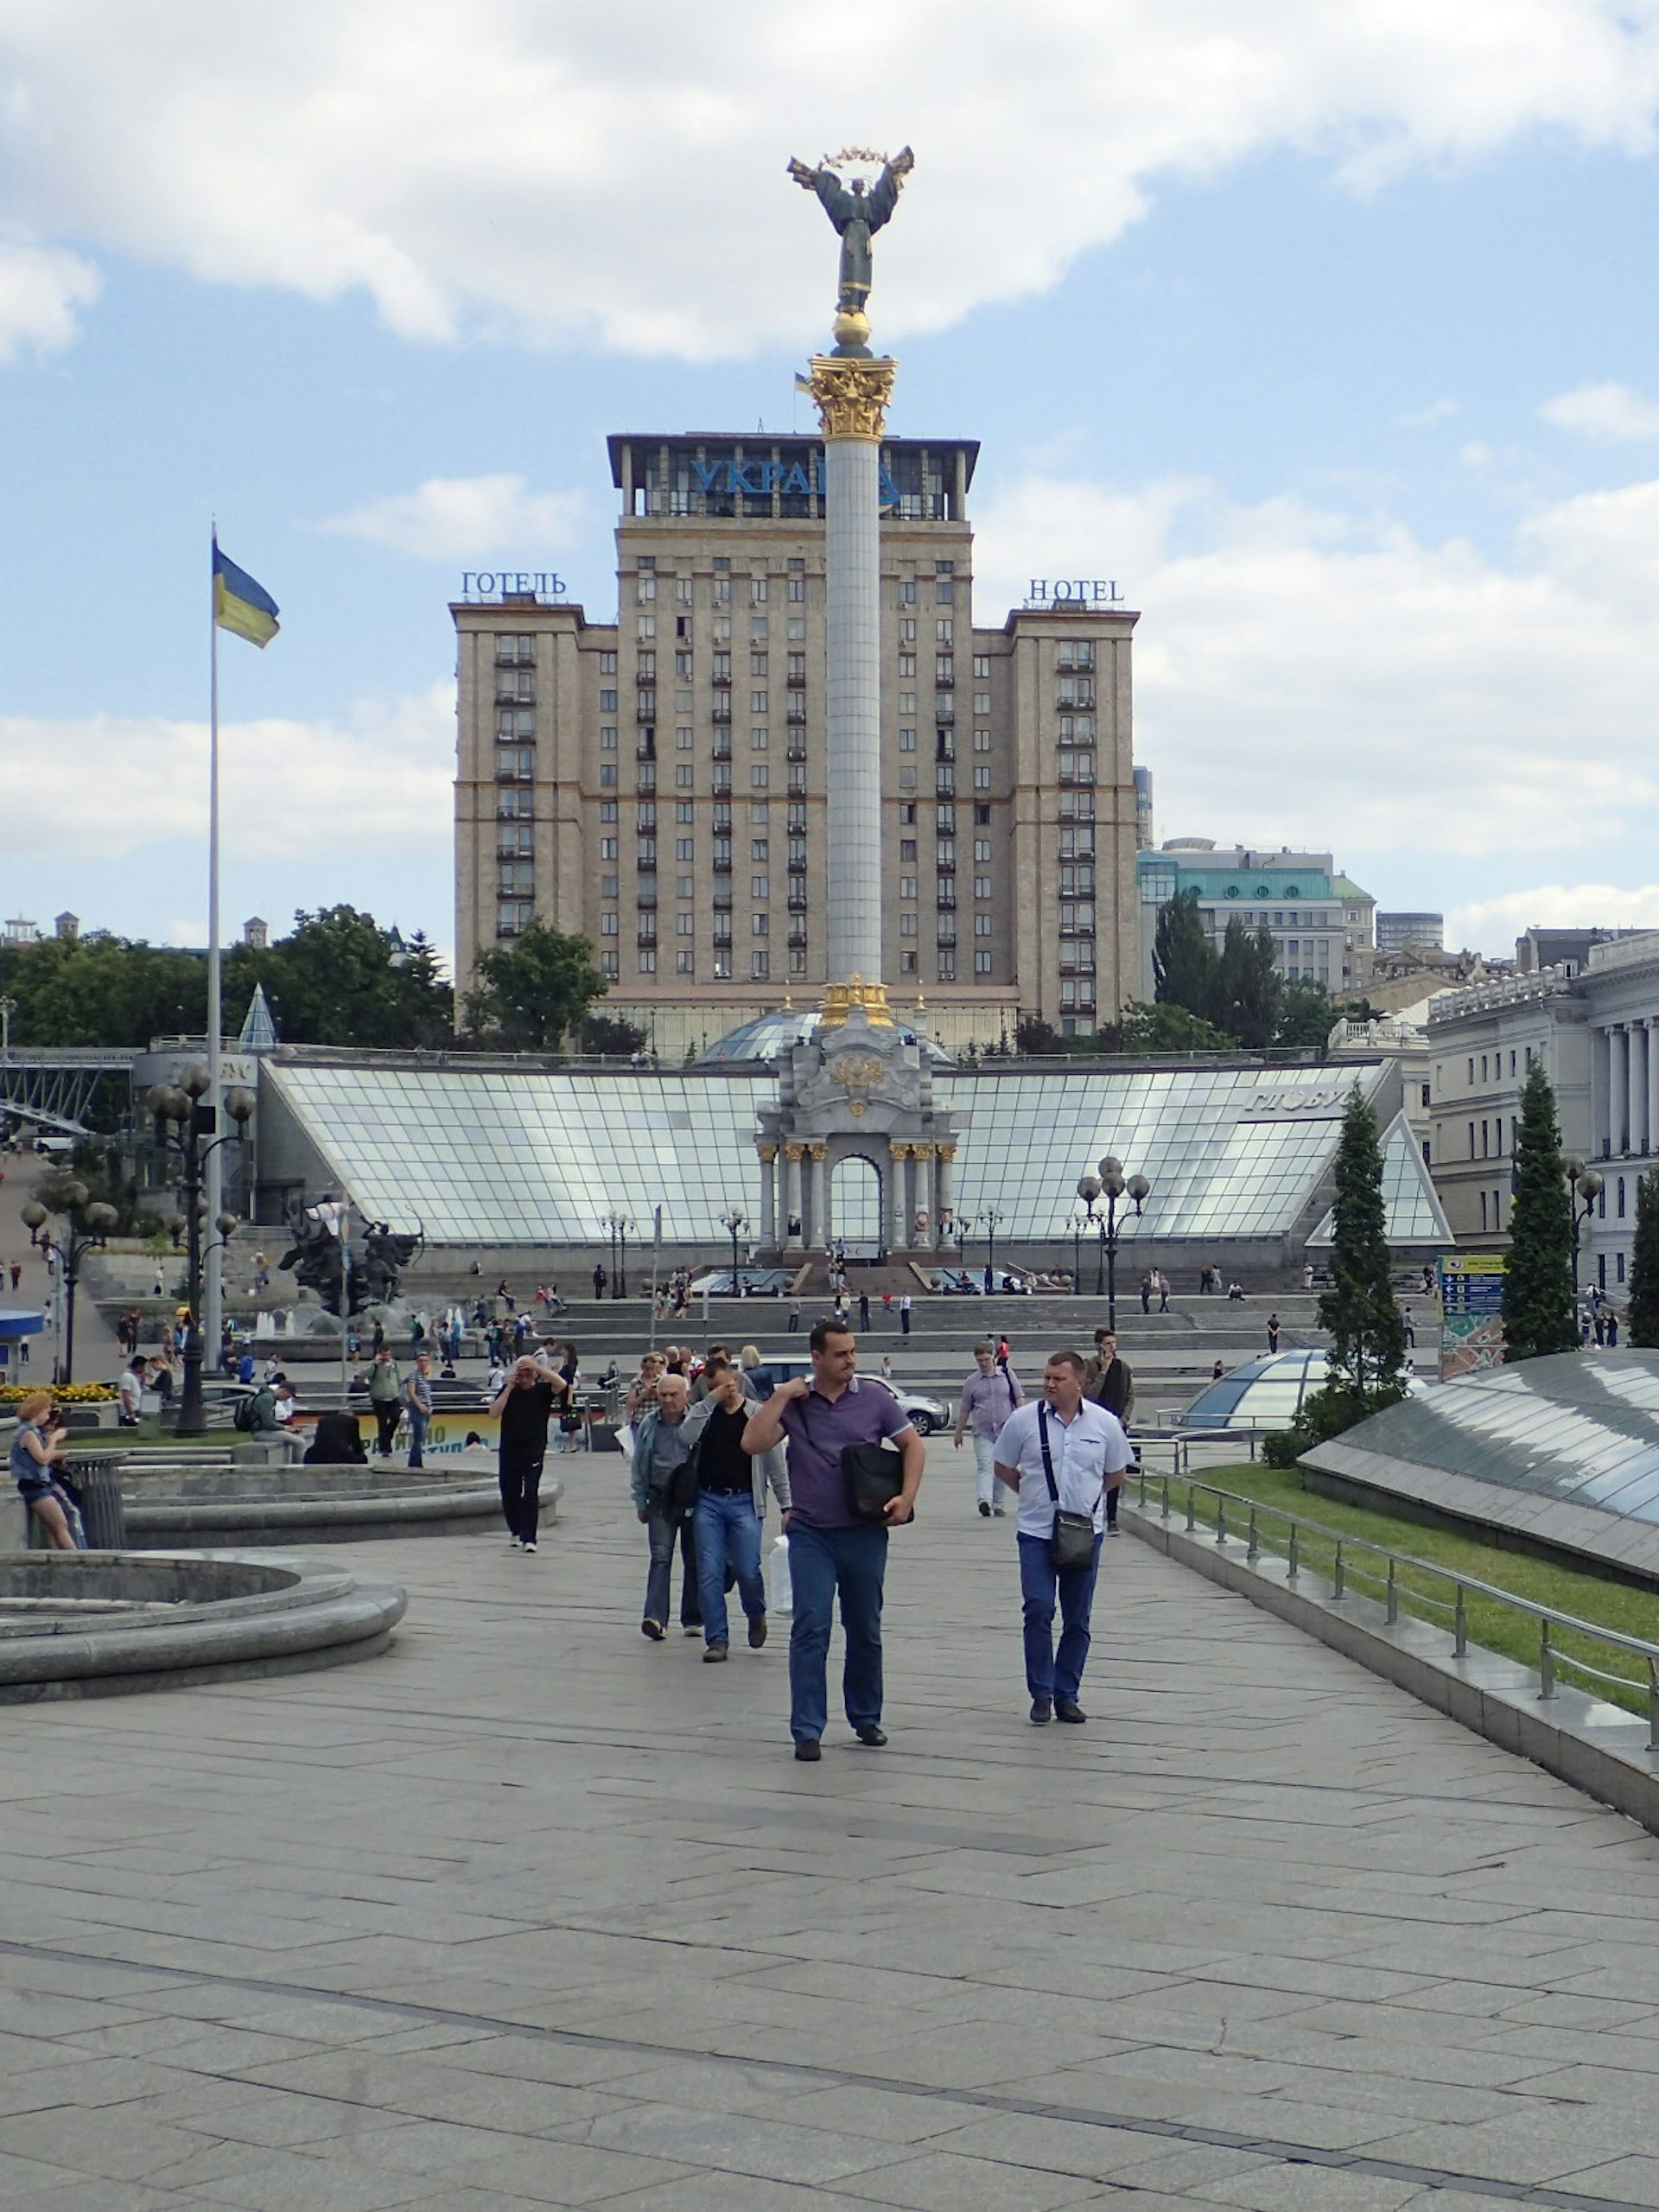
(723, 963)
(907, 887)
(757, 663)
(609, 964)
(906, 963)
(908, 664)
(608, 887)
(685, 775)
(608, 810)
(685, 848)
(945, 632)
(759, 964)
(683, 590)
(647, 960)
(906, 702)
(645, 587)
(981, 886)
(906, 740)
(947, 967)
(608, 925)
(908, 925)
(607, 775)
(607, 738)
(981, 780)
(685, 886)
(760, 776)
(608, 848)
(983, 925)
(908, 630)
(981, 702)
(757, 702)
(759, 811)
(907, 594)
(645, 666)
(683, 739)
(759, 886)
(685, 925)
(981, 664)
(982, 740)
(797, 960)
(760, 925)
(685, 809)
(757, 591)
(982, 964)
(798, 588)
(645, 626)
(760, 848)
(607, 703)
(906, 849)
(683, 664)
(685, 961)
(760, 740)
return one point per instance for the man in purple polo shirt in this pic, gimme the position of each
(831, 1550)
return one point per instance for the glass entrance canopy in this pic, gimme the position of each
(493, 1153)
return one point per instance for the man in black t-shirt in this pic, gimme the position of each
(731, 1506)
(524, 1407)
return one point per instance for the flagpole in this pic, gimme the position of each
(212, 1302)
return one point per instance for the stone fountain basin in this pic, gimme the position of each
(96, 1624)
(184, 1504)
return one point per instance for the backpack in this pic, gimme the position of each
(246, 1413)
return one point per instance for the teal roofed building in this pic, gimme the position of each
(1321, 922)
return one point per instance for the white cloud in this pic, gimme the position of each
(1494, 924)
(384, 776)
(41, 291)
(451, 518)
(1308, 677)
(590, 174)
(1424, 418)
(1611, 412)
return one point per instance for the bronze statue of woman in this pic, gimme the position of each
(856, 215)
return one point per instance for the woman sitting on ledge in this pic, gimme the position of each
(34, 1457)
(338, 1443)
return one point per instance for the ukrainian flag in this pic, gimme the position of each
(241, 605)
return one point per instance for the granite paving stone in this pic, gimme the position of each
(531, 1912)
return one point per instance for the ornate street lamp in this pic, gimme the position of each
(732, 1221)
(990, 1221)
(1102, 1194)
(81, 1225)
(1584, 1186)
(619, 1226)
(186, 1128)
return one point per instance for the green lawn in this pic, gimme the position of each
(1588, 1595)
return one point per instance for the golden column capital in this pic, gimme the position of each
(818, 1151)
(852, 398)
(795, 1151)
(947, 1151)
(767, 1152)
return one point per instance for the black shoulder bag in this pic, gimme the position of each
(874, 1476)
(1074, 1533)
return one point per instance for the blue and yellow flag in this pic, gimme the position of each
(241, 605)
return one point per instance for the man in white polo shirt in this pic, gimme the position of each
(1061, 1454)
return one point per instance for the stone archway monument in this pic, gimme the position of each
(861, 1086)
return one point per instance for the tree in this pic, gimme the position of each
(340, 978)
(1359, 1311)
(1035, 1038)
(530, 992)
(1169, 1028)
(1642, 1318)
(1306, 1016)
(1183, 959)
(603, 1033)
(1538, 1291)
(1247, 989)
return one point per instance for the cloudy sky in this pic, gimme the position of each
(1328, 332)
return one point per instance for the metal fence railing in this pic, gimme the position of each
(1394, 1578)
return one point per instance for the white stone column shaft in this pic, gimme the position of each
(1618, 1088)
(768, 1203)
(946, 1201)
(1637, 1037)
(792, 1192)
(853, 753)
(1653, 1092)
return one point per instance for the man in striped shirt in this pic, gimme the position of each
(988, 1396)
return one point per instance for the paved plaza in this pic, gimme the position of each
(532, 1912)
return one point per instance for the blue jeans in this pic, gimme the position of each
(823, 1562)
(1046, 1674)
(417, 1421)
(664, 1534)
(728, 1531)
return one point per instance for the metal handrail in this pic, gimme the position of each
(1550, 1619)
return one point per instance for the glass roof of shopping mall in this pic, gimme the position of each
(770, 1036)
(1577, 1428)
(542, 1156)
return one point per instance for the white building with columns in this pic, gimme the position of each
(1596, 1028)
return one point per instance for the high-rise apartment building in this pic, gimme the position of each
(657, 783)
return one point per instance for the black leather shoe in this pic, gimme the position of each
(1042, 1712)
(713, 1654)
(870, 1734)
(757, 1632)
(653, 1630)
(984, 1510)
(810, 1751)
(1067, 1708)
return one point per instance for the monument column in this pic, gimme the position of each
(947, 1204)
(768, 1197)
(922, 1238)
(852, 396)
(897, 1229)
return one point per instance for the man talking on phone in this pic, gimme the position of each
(834, 1549)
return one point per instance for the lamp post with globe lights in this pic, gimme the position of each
(733, 1221)
(80, 1224)
(1584, 1186)
(990, 1221)
(185, 1127)
(1102, 1194)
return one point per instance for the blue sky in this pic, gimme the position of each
(1338, 353)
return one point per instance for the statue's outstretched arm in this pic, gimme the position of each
(884, 192)
(805, 177)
